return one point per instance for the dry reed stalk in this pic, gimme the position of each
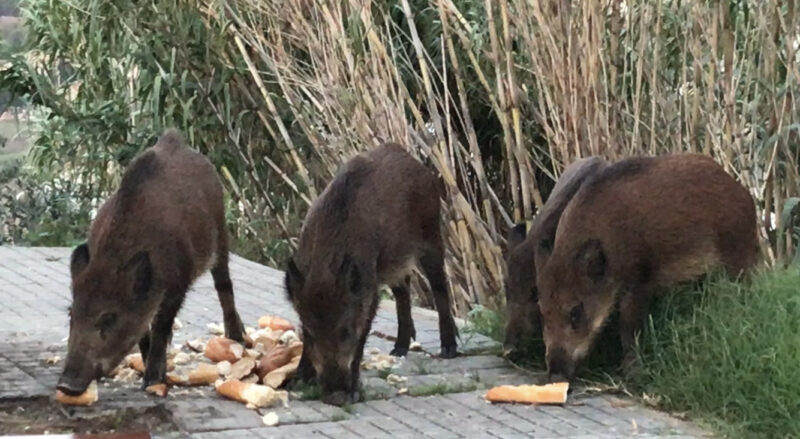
(591, 78)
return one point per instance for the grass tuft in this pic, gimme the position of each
(729, 353)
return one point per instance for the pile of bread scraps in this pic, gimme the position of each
(250, 374)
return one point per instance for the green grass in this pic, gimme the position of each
(728, 354)
(308, 391)
(442, 388)
(486, 321)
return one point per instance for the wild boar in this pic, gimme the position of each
(161, 229)
(522, 310)
(378, 217)
(636, 227)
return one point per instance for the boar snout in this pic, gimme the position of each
(340, 398)
(560, 367)
(338, 387)
(78, 374)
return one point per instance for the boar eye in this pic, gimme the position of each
(576, 315)
(106, 321)
(344, 334)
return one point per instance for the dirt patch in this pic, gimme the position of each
(43, 415)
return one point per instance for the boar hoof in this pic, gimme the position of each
(236, 333)
(337, 398)
(448, 352)
(630, 366)
(298, 380)
(399, 352)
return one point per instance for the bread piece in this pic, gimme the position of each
(275, 358)
(223, 349)
(135, 362)
(86, 398)
(202, 375)
(554, 393)
(242, 368)
(157, 389)
(278, 376)
(254, 395)
(275, 323)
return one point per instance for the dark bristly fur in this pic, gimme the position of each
(162, 228)
(524, 257)
(378, 217)
(633, 229)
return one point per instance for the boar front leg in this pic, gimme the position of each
(160, 336)
(633, 310)
(305, 370)
(405, 324)
(432, 263)
(355, 365)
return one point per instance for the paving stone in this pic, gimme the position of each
(196, 415)
(417, 363)
(377, 388)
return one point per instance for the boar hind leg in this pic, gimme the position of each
(405, 324)
(234, 329)
(144, 345)
(432, 263)
(160, 336)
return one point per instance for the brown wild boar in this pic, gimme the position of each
(634, 228)
(522, 309)
(376, 219)
(161, 229)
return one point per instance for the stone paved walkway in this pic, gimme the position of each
(444, 399)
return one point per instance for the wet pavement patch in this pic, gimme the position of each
(40, 416)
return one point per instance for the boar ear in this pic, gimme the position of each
(349, 277)
(593, 259)
(516, 235)
(293, 277)
(142, 272)
(79, 259)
